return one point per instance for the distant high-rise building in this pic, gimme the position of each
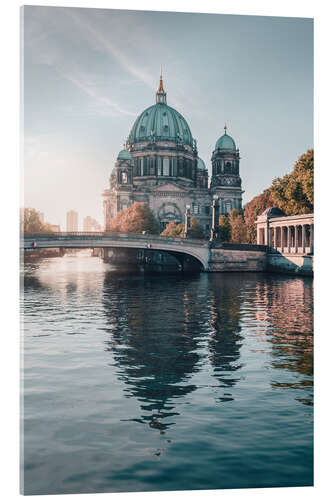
(72, 221)
(90, 224)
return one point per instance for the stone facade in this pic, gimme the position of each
(159, 165)
(225, 260)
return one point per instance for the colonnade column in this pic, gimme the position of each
(275, 237)
(296, 239)
(303, 238)
(311, 238)
(288, 239)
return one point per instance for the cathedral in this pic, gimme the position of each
(159, 165)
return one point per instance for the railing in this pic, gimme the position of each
(239, 246)
(116, 235)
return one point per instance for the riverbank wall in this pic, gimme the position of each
(290, 263)
(237, 259)
(227, 257)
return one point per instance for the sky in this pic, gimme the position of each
(88, 73)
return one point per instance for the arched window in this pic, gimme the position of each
(152, 165)
(175, 168)
(159, 166)
(180, 167)
(124, 178)
(145, 166)
(227, 167)
(166, 166)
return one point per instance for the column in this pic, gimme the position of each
(215, 215)
(288, 239)
(282, 238)
(187, 221)
(275, 237)
(268, 235)
(258, 234)
(296, 239)
(303, 238)
(311, 238)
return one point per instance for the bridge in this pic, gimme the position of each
(178, 247)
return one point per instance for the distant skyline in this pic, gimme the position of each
(88, 73)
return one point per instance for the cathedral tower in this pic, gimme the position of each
(226, 183)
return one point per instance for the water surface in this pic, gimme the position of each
(143, 383)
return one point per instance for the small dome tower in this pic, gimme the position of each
(226, 181)
(124, 169)
(202, 174)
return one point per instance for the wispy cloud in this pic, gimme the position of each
(44, 47)
(104, 104)
(93, 30)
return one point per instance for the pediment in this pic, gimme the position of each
(171, 188)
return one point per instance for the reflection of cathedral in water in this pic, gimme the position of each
(157, 362)
(225, 341)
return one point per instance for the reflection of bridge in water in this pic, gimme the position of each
(188, 252)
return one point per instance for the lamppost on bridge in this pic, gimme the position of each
(215, 215)
(187, 221)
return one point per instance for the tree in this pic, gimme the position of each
(174, 230)
(196, 230)
(293, 193)
(135, 219)
(224, 228)
(253, 209)
(177, 230)
(238, 228)
(31, 223)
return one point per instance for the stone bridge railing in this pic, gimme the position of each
(214, 256)
(198, 249)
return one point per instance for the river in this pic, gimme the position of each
(149, 382)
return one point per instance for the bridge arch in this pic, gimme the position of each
(196, 249)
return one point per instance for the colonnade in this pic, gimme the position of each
(293, 234)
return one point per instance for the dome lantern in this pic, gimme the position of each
(161, 94)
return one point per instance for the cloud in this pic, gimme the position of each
(105, 105)
(93, 30)
(46, 43)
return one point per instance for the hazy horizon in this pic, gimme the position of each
(88, 73)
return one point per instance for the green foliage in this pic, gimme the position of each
(293, 193)
(224, 228)
(253, 209)
(135, 219)
(31, 223)
(238, 227)
(177, 230)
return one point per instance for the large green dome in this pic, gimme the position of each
(163, 123)
(225, 142)
(160, 122)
